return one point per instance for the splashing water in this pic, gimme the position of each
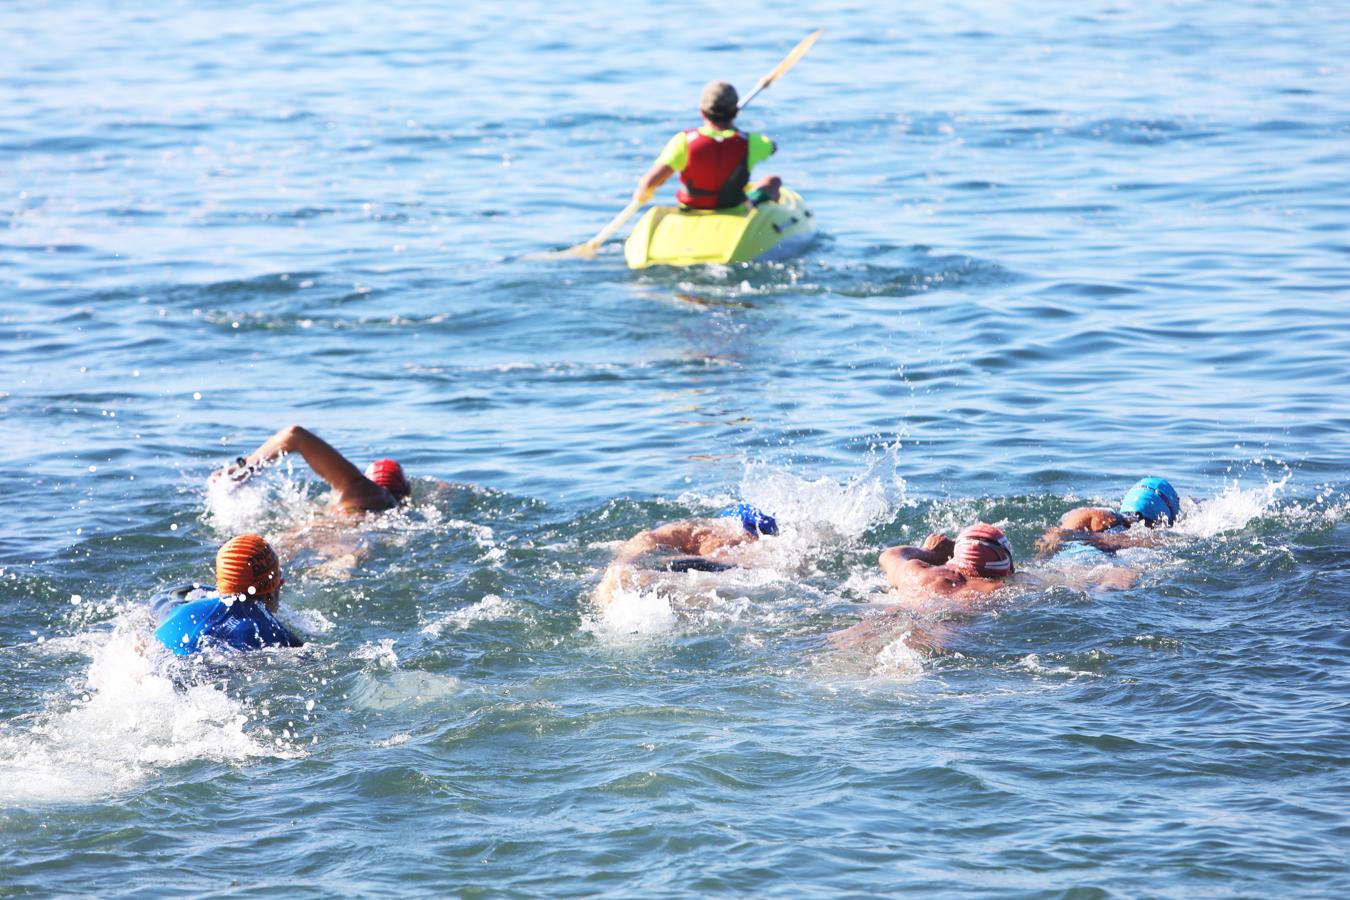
(390, 686)
(490, 608)
(825, 506)
(130, 719)
(1231, 510)
(632, 616)
(273, 499)
(899, 659)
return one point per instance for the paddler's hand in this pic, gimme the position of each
(643, 195)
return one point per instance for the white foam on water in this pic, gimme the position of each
(899, 660)
(402, 688)
(825, 506)
(307, 621)
(379, 652)
(1231, 510)
(391, 687)
(632, 616)
(273, 499)
(1032, 663)
(129, 720)
(490, 609)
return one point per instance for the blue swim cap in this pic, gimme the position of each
(754, 520)
(1151, 499)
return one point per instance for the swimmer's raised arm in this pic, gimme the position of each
(353, 489)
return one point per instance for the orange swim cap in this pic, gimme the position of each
(389, 475)
(247, 565)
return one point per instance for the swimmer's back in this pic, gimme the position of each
(193, 618)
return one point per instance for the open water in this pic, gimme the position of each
(1065, 245)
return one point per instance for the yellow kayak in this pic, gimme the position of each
(670, 236)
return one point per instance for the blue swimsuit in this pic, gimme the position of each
(192, 619)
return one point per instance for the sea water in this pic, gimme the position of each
(1063, 246)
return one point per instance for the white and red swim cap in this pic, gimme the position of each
(389, 475)
(982, 550)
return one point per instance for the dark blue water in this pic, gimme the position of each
(1063, 247)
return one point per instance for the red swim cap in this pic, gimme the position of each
(247, 565)
(982, 550)
(389, 475)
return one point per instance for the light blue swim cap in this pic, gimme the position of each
(756, 521)
(1151, 499)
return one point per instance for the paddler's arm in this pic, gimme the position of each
(656, 176)
(674, 156)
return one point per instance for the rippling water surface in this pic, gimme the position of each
(1064, 245)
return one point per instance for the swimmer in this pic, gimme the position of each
(942, 575)
(945, 577)
(690, 545)
(956, 572)
(1151, 501)
(382, 486)
(240, 614)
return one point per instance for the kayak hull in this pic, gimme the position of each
(670, 236)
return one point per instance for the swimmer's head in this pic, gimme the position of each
(982, 550)
(1151, 499)
(389, 475)
(248, 565)
(755, 520)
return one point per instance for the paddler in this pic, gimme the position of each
(240, 614)
(382, 486)
(689, 545)
(1151, 502)
(714, 160)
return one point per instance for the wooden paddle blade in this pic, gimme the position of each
(587, 249)
(788, 62)
(584, 250)
(797, 53)
(580, 251)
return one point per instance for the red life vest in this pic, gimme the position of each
(716, 172)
